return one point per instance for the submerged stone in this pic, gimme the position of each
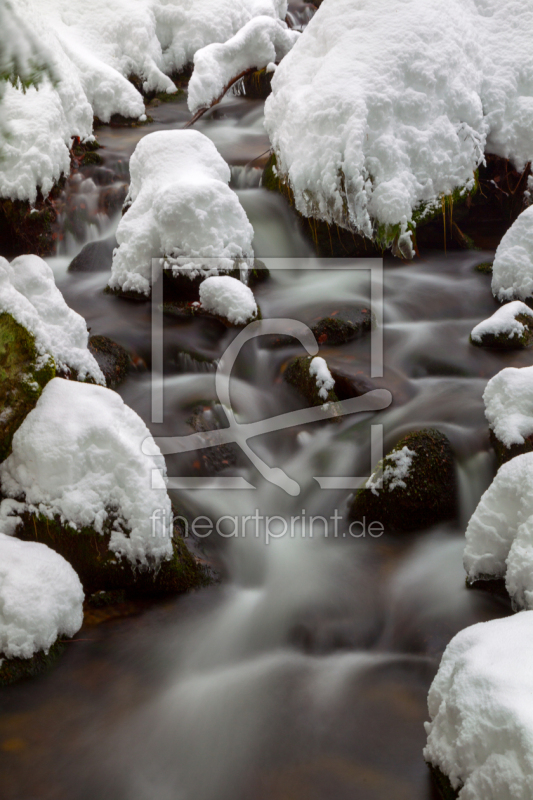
(418, 485)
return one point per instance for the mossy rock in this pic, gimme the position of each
(429, 494)
(118, 121)
(25, 229)
(188, 310)
(16, 669)
(100, 570)
(297, 374)
(256, 85)
(502, 341)
(112, 358)
(343, 325)
(442, 782)
(23, 376)
(485, 268)
(504, 454)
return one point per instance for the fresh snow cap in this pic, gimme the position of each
(229, 298)
(180, 208)
(503, 322)
(77, 455)
(28, 292)
(324, 380)
(395, 473)
(508, 399)
(512, 270)
(41, 598)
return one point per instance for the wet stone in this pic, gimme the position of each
(94, 256)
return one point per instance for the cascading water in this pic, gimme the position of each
(305, 672)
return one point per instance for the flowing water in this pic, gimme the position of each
(304, 672)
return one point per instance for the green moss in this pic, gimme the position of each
(485, 268)
(100, 570)
(297, 374)
(256, 86)
(442, 782)
(502, 341)
(22, 378)
(16, 669)
(430, 492)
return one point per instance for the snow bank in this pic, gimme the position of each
(503, 322)
(41, 598)
(508, 399)
(78, 455)
(481, 729)
(397, 469)
(228, 298)
(499, 536)
(93, 48)
(382, 107)
(180, 208)
(512, 271)
(324, 379)
(262, 41)
(28, 292)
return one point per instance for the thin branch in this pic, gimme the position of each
(201, 111)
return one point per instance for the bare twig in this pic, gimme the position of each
(201, 111)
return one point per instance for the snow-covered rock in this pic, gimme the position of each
(259, 43)
(481, 730)
(499, 536)
(319, 369)
(78, 456)
(229, 298)
(92, 49)
(508, 399)
(395, 472)
(383, 107)
(512, 271)
(29, 294)
(181, 208)
(504, 329)
(41, 598)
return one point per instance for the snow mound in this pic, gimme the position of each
(508, 399)
(229, 298)
(481, 729)
(28, 292)
(92, 49)
(499, 536)
(512, 271)
(382, 107)
(180, 208)
(318, 368)
(41, 598)
(503, 322)
(78, 455)
(260, 42)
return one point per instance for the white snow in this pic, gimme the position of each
(384, 106)
(503, 322)
(395, 473)
(260, 42)
(94, 47)
(508, 399)
(28, 292)
(41, 598)
(318, 368)
(180, 208)
(78, 455)
(481, 729)
(229, 298)
(499, 536)
(512, 270)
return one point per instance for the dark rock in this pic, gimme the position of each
(212, 460)
(256, 85)
(429, 495)
(503, 341)
(16, 669)
(94, 256)
(442, 783)
(22, 379)
(99, 569)
(504, 453)
(297, 374)
(348, 385)
(111, 200)
(112, 358)
(343, 325)
(103, 176)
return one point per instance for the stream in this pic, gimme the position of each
(302, 673)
